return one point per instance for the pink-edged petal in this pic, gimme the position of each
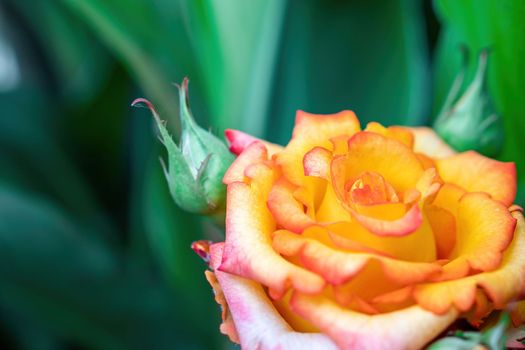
(257, 322)
(239, 141)
(312, 131)
(286, 210)
(503, 285)
(254, 154)
(427, 142)
(248, 248)
(227, 326)
(371, 152)
(403, 226)
(476, 173)
(410, 328)
(317, 163)
(337, 266)
(485, 229)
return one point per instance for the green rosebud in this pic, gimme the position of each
(470, 121)
(195, 167)
(494, 337)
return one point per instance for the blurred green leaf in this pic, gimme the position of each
(454, 343)
(164, 233)
(353, 55)
(132, 32)
(497, 25)
(54, 270)
(33, 158)
(74, 53)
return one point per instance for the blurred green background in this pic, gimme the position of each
(93, 252)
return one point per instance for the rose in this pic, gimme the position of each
(374, 239)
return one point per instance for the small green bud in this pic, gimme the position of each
(195, 167)
(470, 122)
(491, 338)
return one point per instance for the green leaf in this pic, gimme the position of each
(70, 50)
(354, 55)
(32, 157)
(53, 270)
(454, 343)
(499, 26)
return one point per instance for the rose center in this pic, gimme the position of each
(370, 188)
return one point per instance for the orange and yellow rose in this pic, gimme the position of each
(363, 239)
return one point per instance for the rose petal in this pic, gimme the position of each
(501, 285)
(227, 326)
(317, 163)
(427, 142)
(448, 198)
(410, 328)
(403, 226)
(484, 230)
(476, 173)
(312, 131)
(370, 152)
(443, 225)
(248, 251)
(337, 266)
(518, 313)
(330, 209)
(418, 246)
(239, 141)
(398, 133)
(286, 210)
(258, 323)
(255, 153)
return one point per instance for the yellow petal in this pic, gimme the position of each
(312, 131)
(337, 266)
(398, 133)
(502, 285)
(248, 251)
(476, 173)
(427, 142)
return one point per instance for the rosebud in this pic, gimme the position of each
(492, 338)
(195, 167)
(470, 122)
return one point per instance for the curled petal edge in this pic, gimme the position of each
(258, 324)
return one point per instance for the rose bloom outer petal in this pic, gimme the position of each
(410, 328)
(258, 324)
(255, 153)
(248, 251)
(338, 266)
(427, 142)
(227, 326)
(476, 173)
(485, 229)
(502, 286)
(401, 134)
(312, 131)
(239, 141)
